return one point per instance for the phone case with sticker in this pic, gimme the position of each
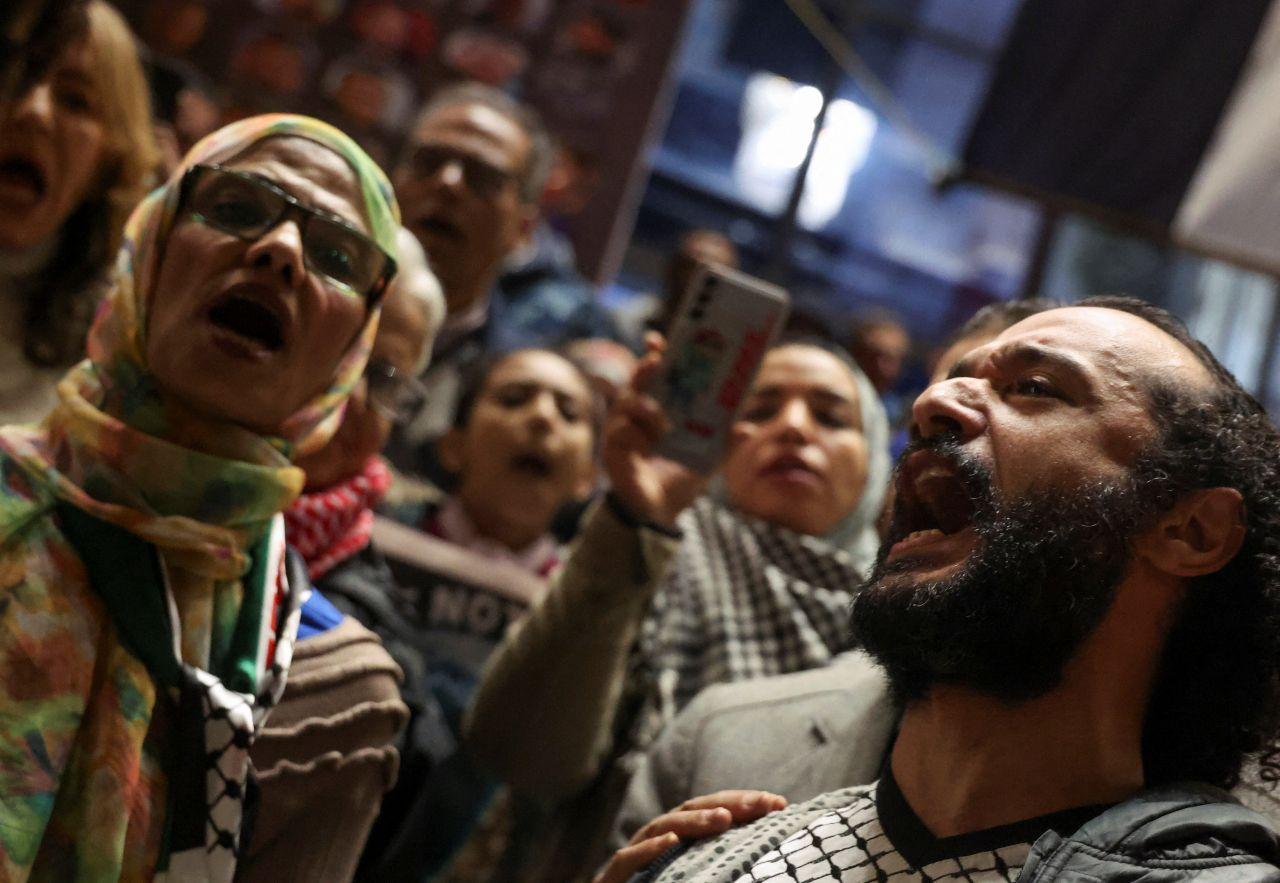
(725, 324)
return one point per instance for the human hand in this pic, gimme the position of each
(653, 488)
(695, 819)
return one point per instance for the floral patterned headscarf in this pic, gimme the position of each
(117, 340)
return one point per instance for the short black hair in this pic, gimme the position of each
(533, 178)
(1217, 694)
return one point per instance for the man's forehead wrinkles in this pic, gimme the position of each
(1130, 370)
(1019, 353)
(1137, 342)
(1035, 353)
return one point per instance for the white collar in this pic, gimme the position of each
(458, 528)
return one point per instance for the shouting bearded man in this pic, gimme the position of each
(1078, 607)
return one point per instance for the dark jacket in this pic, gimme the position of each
(1181, 832)
(414, 829)
(541, 300)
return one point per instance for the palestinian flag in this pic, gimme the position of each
(1163, 115)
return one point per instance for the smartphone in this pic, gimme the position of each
(724, 325)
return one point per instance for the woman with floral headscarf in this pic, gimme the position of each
(147, 612)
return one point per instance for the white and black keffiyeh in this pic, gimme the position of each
(205, 845)
(864, 834)
(840, 837)
(210, 785)
(743, 599)
(746, 599)
(848, 845)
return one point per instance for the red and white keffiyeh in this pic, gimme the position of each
(327, 527)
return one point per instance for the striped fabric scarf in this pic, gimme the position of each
(328, 526)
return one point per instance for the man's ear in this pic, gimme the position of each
(450, 449)
(1200, 534)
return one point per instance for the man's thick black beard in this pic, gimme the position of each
(1043, 575)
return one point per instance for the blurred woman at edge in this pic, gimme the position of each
(76, 155)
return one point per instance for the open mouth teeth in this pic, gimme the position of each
(250, 320)
(19, 172)
(935, 503)
(532, 464)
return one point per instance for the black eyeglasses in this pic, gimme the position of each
(482, 178)
(246, 206)
(393, 393)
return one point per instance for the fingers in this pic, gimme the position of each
(743, 805)
(687, 824)
(635, 426)
(695, 819)
(642, 414)
(654, 342)
(632, 858)
(646, 373)
(650, 363)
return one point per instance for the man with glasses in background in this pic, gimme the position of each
(469, 183)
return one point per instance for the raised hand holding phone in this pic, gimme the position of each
(667, 433)
(652, 487)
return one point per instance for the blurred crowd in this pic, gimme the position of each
(335, 543)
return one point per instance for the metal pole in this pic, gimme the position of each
(785, 231)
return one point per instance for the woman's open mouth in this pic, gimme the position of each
(22, 181)
(247, 325)
(533, 464)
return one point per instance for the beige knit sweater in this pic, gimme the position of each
(325, 758)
